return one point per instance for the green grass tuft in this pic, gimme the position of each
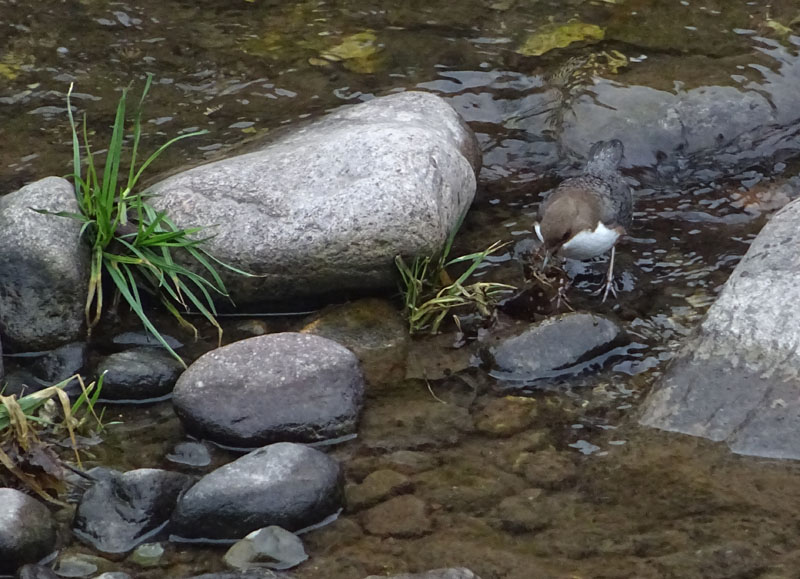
(132, 243)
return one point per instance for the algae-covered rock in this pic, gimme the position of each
(554, 36)
(358, 52)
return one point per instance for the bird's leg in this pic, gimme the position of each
(610, 276)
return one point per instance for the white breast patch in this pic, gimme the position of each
(588, 244)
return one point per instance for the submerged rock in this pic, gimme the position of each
(737, 378)
(27, 530)
(140, 374)
(120, 511)
(278, 387)
(328, 207)
(44, 268)
(403, 516)
(36, 572)
(374, 330)
(452, 573)
(559, 346)
(285, 484)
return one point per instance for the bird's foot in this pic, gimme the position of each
(608, 286)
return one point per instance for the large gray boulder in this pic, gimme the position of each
(737, 378)
(279, 387)
(44, 270)
(326, 209)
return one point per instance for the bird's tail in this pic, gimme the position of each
(604, 157)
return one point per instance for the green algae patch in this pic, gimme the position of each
(553, 36)
(358, 52)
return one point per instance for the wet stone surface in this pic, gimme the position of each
(27, 530)
(404, 516)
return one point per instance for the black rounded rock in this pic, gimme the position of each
(120, 511)
(138, 374)
(279, 387)
(285, 484)
(27, 530)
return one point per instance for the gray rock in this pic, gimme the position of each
(285, 484)
(138, 375)
(271, 547)
(278, 387)
(120, 511)
(22, 382)
(328, 207)
(452, 573)
(79, 565)
(114, 575)
(44, 269)
(737, 378)
(559, 346)
(147, 555)
(27, 530)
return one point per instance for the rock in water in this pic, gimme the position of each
(452, 573)
(120, 511)
(328, 207)
(737, 378)
(285, 484)
(27, 530)
(139, 374)
(559, 346)
(44, 269)
(278, 387)
(271, 547)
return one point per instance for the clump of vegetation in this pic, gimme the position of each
(132, 244)
(430, 294)
(26, 421)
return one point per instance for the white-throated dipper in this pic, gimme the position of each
(586, 215)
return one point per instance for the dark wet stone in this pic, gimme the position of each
(284, 484)
(328, 207)
(22, 382)
(736, 379)
(2, 365)
(559, 346)
(504, 417)
(61, 363)
(190, 454)
(145, 339)
(44, 269)
(452, 573)
(404, 516)
(377, 486)
(279, 387)
(27, 530)
(546, 468)
(271, 547)
(138, 374)
(35, 572)
(374, 330)
(120, 511)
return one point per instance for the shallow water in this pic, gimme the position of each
(631, 503)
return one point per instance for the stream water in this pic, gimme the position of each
(616, 500)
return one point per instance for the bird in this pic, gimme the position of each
(586, 215)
